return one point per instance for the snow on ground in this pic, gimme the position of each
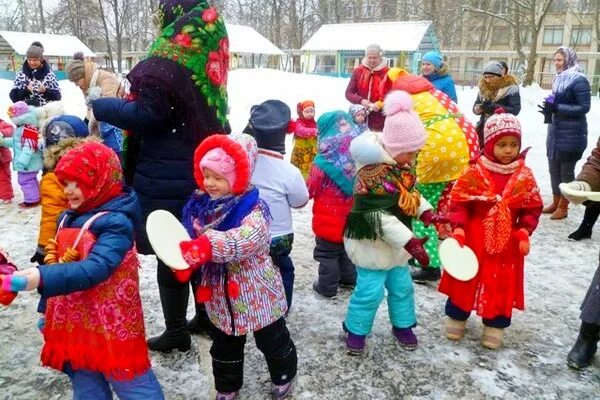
(531, 365)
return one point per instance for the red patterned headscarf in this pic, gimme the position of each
(96, 170)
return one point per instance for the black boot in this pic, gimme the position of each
(592, 211)
(426, 274)
(200, 324)
(174, 302)
(585, 347)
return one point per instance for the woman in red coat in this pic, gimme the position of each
(496, 206)
(369, 85)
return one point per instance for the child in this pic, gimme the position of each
(279, 183)
(61, 135)
(378, 238)
(6, 190)
(496, 206)
(94, 328)
(330, 186)
(26, 146)
(242, 290)
(359, 115)
(305, 137)
(6, 268)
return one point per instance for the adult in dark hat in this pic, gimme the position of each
(36, 84)
(178, 97)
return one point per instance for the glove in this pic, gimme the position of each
(94, 93)
(547, 110)
(487, 107)
(459, 235)
(196, 253)
(522, 235)
(580, 186)
(428, 217)
(38, 256)
(415, 248)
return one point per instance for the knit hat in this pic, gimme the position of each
(97, 171)
(403, 131)
(303, 105)
(497, 126)
(235, 156)
(433, 57)
(63, 127)
(355, 109)
(75, 68)
(35, 50)
(374, 49)
(268, 124)
(493, 68)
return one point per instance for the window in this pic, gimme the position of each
(581, 35)
(558, 6)
(553, 34)
(584, 6)
(473, 64)
(367, 10)
(500, 35)
(526, 37)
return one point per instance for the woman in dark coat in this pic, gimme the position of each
(178, 97)
(565, 111)
(36, 84)
(495, 90)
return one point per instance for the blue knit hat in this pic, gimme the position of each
(434, 58)
(269, 124)
(64, 126)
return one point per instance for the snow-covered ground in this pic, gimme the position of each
(531, 365)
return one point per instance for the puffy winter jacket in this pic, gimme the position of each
(370, 84)
(442, 81)
(42, 75)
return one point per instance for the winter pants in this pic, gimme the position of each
(334, 266)
(432, 193)
(590, 308)
(560, 171)
(90, 385)
(6, 190)
(369, 292)
(228, 356)
(281, 247)
(460, 315)
(29, 185)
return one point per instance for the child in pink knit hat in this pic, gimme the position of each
(378, 237)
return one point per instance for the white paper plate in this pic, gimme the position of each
(164, 233)
(460, 262)
(567, 190)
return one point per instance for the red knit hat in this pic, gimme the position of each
(497, 126)
(96, 170)
(303, 105)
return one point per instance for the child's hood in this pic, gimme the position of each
(53, 153)
(367, 149)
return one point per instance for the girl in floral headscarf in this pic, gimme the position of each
(94, 324)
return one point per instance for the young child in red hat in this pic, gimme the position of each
(241, 288)
(305, 137)
(495, 207)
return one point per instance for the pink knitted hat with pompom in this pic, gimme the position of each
(403, 131)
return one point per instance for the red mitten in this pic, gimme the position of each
(183, 275)
(459, 235)
(522, 235)
(196, 252)
(428, 217)
(415, 248)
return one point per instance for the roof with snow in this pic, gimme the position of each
(391, 36)
(54, 45)
(245, 40)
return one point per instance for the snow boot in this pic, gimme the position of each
(580, 356)
(455, 329)
(355, 344)
(562, 211)
(425, 274)
(174, 304)
(492, 337)
(550, 208)
(200, 324)
(592, 211)
(226, 396)
(406, 338)
(280, 392)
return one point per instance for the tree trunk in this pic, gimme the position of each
(42, 20)
(107, 38)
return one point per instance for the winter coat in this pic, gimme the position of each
(6, 131)
(330, 206)
(567, 134)
(442, 80)
(590, 171)
(27, 155)
(43, 75)
(114, 233)
(245, 252)
(370, 84)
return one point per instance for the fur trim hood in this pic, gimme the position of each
(52, 154)
(499, 88)
(367, 149)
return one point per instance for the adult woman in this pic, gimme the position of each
(369, 85)
(436, 71)
(167, 115)
(36, 84)
(495, 90)
(565, 111)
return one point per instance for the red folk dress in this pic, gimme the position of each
(491, 201)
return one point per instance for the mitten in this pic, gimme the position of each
(6, 269)
(38, 256)
(580, 186)
(415, 248)
(13, 283)
(94, 93)
(41, 323)
(428, 217)
(459, 235)
(196, 253)
(522, 235)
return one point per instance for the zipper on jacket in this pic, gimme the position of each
(228, 301)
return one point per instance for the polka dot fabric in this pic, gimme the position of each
(432, 193)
